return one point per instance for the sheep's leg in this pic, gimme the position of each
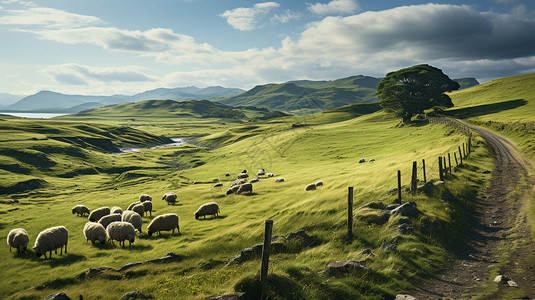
(9, 248)
(61, 250)
(65, 248)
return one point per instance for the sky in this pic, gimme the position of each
(102, 47)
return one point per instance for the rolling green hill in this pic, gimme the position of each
(305, 96)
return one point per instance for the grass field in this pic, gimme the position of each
(302, 150)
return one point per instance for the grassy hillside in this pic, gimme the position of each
(305, 97)
(301, 149)
(506, 105)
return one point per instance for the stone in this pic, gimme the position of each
(129, 265)
(134, 295)
(300, 234)
(95, 271)
(407, 209)
(512, 283)
(405, 221)
(388, 246)
(406, 229)
(392, 206)
(373, 216)
(362, 160)
(501, 279)
(427, 187)
(404, 297)
(366, 251)
(57, 296)
(339, 268)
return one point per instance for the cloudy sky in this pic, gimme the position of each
(129, 46)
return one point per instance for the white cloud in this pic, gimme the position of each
(47, 17)
(248, 18)
(286, 17)
(75, 74)
(335, 7)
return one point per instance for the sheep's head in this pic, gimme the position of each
(102, 240)
(132, 238)
(197, 216)
(37, 251)
(149, 232)
(73, 212)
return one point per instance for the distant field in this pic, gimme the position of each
(302, 150)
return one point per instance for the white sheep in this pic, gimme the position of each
(94, 232)
(261, 172)
(243, 175)
(211, 208)
(319, 183)
(98, 213)
(144, 197)
(270, 175)
(170, 198)
(164, 223)
(133, 218)
(121, 231)
(280, 179)
(80, 210)
(246, 187)
(219, 184)
(51, 239)
(233, 189)
(140, 209)
(116, 210)
(238, 182)
(310, 187)
(132, 205)
(147, 207)
(106, 220)
(18, 238)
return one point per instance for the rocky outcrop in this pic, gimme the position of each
(341, 268)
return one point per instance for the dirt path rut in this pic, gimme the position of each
(500, 232)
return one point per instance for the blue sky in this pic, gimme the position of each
(128, 46)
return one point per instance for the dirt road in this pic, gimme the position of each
(500, 241)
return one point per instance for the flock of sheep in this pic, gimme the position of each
(106, 224)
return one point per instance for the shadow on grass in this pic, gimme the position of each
(485, 109)
(164, 235)
(212, 218)
(62, 260)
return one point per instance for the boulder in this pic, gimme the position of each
(373, 216)
(427, 187)
(408, 209)
(57, 296)
(134, 295)
(340, 268)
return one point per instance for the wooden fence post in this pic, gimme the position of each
(469, 144)
(399, 187)
(444, 165)
(460, 155)
(440, 172)
(265, 259)
(350, 212)
(423, 167)
(464, 151)
(414, 177)
(449, 161)
(455, 156)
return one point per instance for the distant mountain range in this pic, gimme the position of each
(57, 102)
(306, 96)
(298, 97)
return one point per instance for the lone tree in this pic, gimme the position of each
(410, 91)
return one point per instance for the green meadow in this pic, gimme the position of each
(71, 158)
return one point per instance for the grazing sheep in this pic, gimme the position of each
(116, 210)
(319, 183)
(246, 187)
(132, 205)
(51, 239)
(310, 187)
(244, 171)
(163, 223)
(133, 218)
(232, 190)
(98, 213)
(227, 174)
(371, 160)
(362, 160)
(80, 210)
(243, 175)
(144, 197)
(121, 231)
(140, 209)
(147, 207)
(18, 238)
(95, 232)
(254, 180)
(238, 182)
(219, 184)
(211, 208)
(261, 172)
(106, 220)
(170, 198)
(270, 175)
(280, 179)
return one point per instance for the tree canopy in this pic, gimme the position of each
(412, 90)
